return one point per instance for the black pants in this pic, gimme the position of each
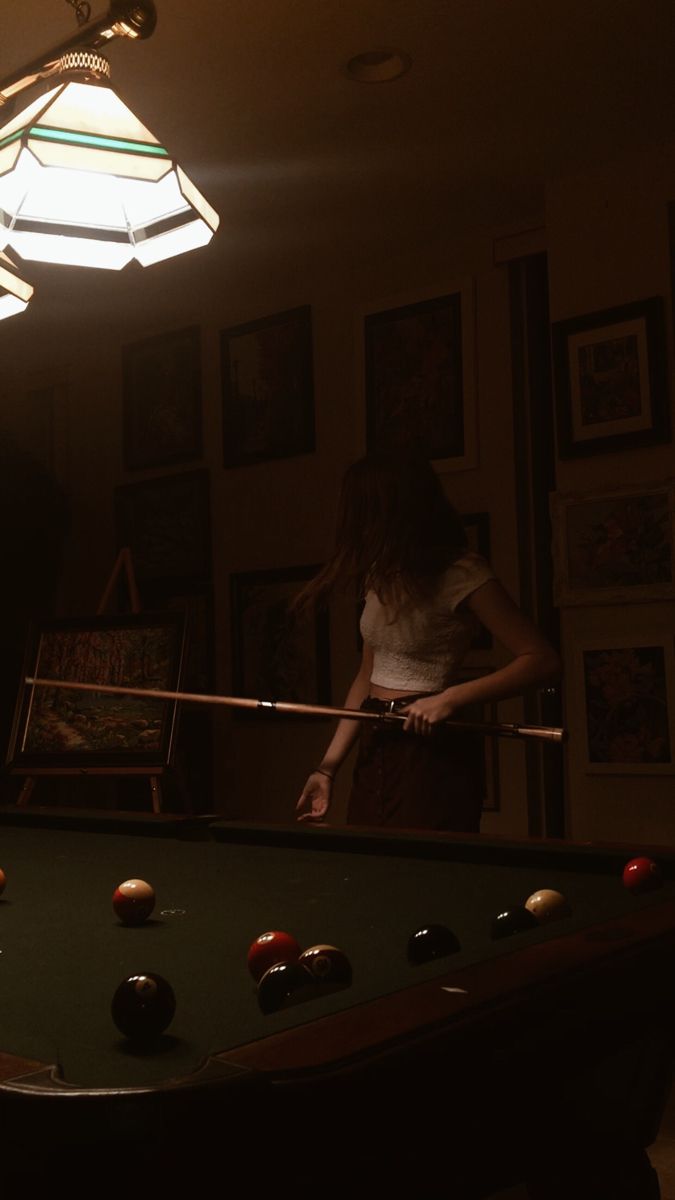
(414, 781)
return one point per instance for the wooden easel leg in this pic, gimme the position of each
(156, 792)
(26, 791)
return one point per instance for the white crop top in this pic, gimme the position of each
(418, 647)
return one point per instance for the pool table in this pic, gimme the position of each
(544, 1056)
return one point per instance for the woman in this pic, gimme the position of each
(425, 595)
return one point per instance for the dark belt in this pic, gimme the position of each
(377, 704)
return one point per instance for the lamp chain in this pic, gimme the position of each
(82, 10)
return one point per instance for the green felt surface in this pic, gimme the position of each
(63, 952)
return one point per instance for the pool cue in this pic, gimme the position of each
(543, 732)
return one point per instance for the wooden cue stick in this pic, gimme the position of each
(545, 733)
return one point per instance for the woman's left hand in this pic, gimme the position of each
(422, 716)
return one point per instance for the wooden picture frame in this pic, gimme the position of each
(627, 690)
(166, 523)
(277, 655)
(57, 729)
(614, 546)
(420, 377)
(267, 375)
(611, 382)
(162, 398)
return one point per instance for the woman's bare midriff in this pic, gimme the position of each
(383, 693)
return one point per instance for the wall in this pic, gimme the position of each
(278, 514)
(607, 233)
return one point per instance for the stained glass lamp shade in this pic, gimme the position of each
(83, 182)
(14, 291)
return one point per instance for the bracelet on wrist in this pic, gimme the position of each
(320, 771)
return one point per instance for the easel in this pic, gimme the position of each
(124, 564)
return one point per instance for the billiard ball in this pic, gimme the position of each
(270, 948)
(133, 901)
(143, 1006)
(284, 984)
(3, 881)
(642, 875)
(430, 942)
(513, 920)
(548, 905)
(329, 966)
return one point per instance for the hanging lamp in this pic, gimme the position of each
(14, 291)
(82, 181)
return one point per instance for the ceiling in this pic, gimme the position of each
(252, 98)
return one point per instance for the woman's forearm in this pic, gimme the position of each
(347, 731)
(526, 670)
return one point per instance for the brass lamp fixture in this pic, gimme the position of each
(82, 180)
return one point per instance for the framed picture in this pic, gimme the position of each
(614, 546)
(162, 389)
(58, 728)
(277, 655)
(611, 379)
(627, 696)
(268, 389)
(166, 524)
(420, 378)
(477, 526)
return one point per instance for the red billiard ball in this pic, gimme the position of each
(133, 901)
(642, 875)
(3, 881)
(271, 948)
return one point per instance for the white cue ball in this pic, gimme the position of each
(548, 905)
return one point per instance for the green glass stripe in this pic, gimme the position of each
(12, 137)
(97, 141)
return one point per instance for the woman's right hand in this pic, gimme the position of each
(316, 797)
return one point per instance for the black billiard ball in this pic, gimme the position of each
(329, 966)
(270, 948)
(143, 1006)
(513, 920)
(284, 984)
(430, 942)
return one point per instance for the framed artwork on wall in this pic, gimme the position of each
(277, 655)
(166, 524)
(614, 546)
(420, 378)
(627, 693)
(267, 387)
(57, 728)
(162, 393)
(611, 380)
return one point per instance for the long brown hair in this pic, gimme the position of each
(396, 531)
